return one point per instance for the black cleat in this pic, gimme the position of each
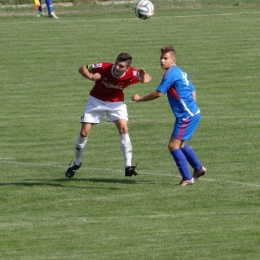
(130, 171)
(72, 169)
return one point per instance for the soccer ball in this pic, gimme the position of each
(144, 9)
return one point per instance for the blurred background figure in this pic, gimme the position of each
(38, 6)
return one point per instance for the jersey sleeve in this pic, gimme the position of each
(132, 76)
(89, 67)
(135, 78)
(164, 86)
(97, 67)
(166, 83)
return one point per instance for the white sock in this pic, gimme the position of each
(126, 148)
(79, 149)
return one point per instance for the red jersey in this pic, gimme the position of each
(109, 87)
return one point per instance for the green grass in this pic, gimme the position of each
(100, 214)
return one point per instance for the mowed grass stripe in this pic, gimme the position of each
(100, 214)
(10, 161)
(131, 18)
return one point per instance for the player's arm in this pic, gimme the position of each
(86, 72)
(153, 95)
(194, 95)
(143, 76)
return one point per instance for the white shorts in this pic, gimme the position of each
(96, 108)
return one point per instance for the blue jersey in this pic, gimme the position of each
(176, 83)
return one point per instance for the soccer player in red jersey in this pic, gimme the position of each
(107, 96)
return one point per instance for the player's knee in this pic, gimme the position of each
(83, 133)
(85, 130)
(123, 130)
(172, 146)
(175, 144)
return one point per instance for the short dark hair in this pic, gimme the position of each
(124, 57)
(168, 49)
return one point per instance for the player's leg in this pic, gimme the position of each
(117, 113)
(40, 14)
(93, 114)
(49, 6)
(125, 141)
(191, 157)
(126, 147)
(50, 9)
(176, 142)
(180, 160)
(199, 169)
(79, 149)
(82, 142)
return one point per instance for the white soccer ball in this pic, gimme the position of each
(144, 9)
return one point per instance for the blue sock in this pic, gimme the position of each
(191, 157)
(49, 6)
(40, 7)
(181, 163)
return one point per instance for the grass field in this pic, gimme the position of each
(100, 214)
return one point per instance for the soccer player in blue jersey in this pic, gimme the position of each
(49, 7)
(182, 99)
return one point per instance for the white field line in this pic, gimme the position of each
(97, 219)
(11, 161)
(120, 19)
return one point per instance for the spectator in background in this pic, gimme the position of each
(38, 6)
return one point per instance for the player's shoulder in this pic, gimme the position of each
(172, 74)
(132, 71)
(175, 68)
(175, 71)
(102, 64)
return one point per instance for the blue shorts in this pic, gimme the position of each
(185, 128)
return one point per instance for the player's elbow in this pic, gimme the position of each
(159, 93)
(80, 70)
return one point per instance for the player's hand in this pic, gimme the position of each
(143, 76)
(96, 76)
(136, 97)
(141, 72)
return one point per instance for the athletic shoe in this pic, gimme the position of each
(72, 169)
(199, 173)
(130, 171)
(40, 14)
(187, 182)
(53, 15)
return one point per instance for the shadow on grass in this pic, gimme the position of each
(29, 184)
(130, 181)
(102, 180)
(62, 181)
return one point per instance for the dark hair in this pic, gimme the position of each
(124, 57)
(168, 49)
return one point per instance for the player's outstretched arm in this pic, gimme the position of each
(143, 76)
(83, 70)
(153, 95)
